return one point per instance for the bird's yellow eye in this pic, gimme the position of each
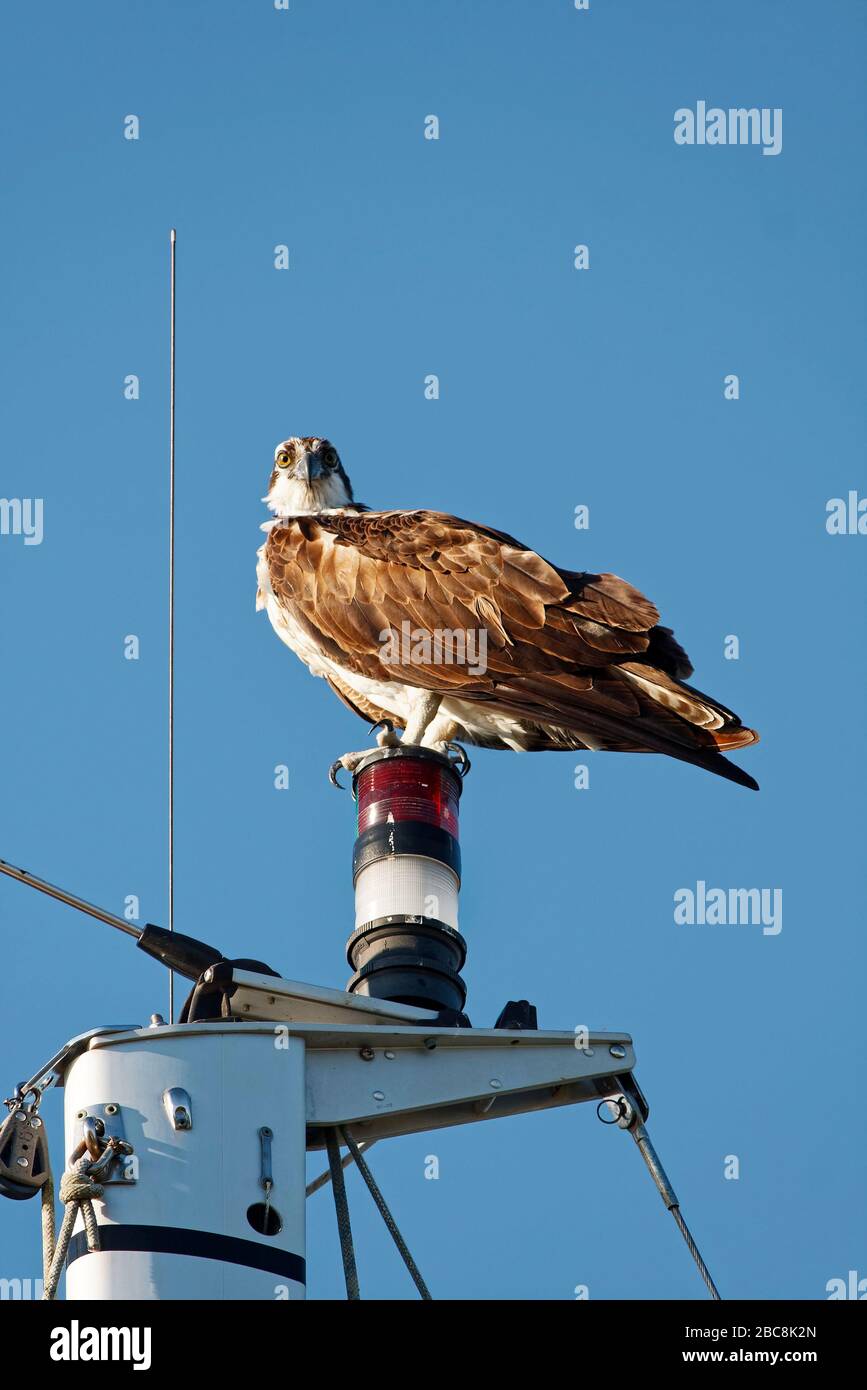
(282, 460)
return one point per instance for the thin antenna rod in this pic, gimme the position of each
(171, 846)
(72, 899)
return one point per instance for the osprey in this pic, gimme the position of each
(455, 631)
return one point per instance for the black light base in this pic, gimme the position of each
(409, 960)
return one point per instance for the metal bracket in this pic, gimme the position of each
(266, 1175)
(389, 1081)
(268, 997)
(178, 1107)
(99, 1124)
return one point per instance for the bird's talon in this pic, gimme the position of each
(351, 762)
(459, 758)
(388, 738)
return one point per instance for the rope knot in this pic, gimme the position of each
(79, 1187)
(77, 1191)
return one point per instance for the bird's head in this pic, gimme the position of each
(307, 477)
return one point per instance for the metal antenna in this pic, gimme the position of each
(171, 846)
(184, 954)
(72, 899)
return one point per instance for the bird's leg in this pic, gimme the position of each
(440, 733)
(420, 725)
(440, 736)
(423, 711)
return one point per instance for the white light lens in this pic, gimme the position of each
(409, 885)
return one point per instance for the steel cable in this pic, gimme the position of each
(386, 1215)
(695, 1252)
(341, 1207)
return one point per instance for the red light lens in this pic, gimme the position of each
(408, 789)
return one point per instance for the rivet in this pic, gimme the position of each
(389, 1055)
(430, 1044)
(617, 1051)
(379, 1095)
(587, 1051)
(495, 1084)
(366, 1054)
(111, 1109)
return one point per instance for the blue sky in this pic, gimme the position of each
(558, 388)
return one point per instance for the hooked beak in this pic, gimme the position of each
(307, 469)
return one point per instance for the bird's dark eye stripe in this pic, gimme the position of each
(326, 451)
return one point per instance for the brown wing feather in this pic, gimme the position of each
(574, 654)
